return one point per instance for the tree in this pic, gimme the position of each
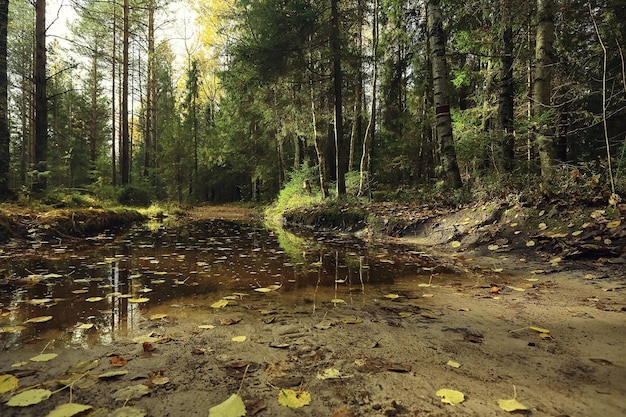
(441, 94)
(542, 90)
(125, 139)
(41, 100)
(4, 108)
(340, 151)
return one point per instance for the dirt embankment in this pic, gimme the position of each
(62, 223)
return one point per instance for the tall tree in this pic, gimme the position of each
(125, 139)
(542, 88)
(507, 93)
(4, 108)
(41, 99)
(340, 148)
(441, 81)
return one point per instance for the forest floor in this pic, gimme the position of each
(549, 332)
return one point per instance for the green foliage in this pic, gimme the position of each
(294, 193)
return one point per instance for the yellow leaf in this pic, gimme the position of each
(405, 314)
(498, 270)
(239, 339)
(40, 319)
(453, 364)
(29, 397)
(219, 304)
(450, 396)
(351, 320)
(12, 329)
(542, 226)
(232, 407)
(493, 247)
(68, 410)
(44, 357)
(262, 289)
(337, 301)
(392, 296)
(85, 326)
(555, 261)
(112, 374)
(511, 405)
(329, 373)
(539, 329)
(455, 244)
(138, 300)
(530, 243)
(94, 299)
(613, 224)
(8, 383)
(206, 326)
(293, 399)
(158, 316)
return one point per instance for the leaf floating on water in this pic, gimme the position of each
(40, 319)
(85, 326)
(392, 296)
(129, 412)
(12, 329)
(81, 291)
(94, 299)
(8, 383)
(131, 393)
(157, 281)
(39, 301)
(293, 399)
(29, 397)
(146, 339)
(68, 410)
(274, 287)
(158, 316)
(262, 289)
(44, 357)
(219, 304)
(239, 339)
(232, 407)
(337, 301)
(450, 396)
(138, 300)
(511, 405)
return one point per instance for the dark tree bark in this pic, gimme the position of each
(41, 100)
(125, 148)
(441, 93)
(507, 94)
(4, 109)
(340, 151)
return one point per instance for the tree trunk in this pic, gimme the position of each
(125, 148)
(41, 101)
(319, 147)
(542, 88)
(113, 100)
(4, 109)
(507, 94)
(335, 45)
(371, 125)
(93, 133)
(357, 124)
(441, 94)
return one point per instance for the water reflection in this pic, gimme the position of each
(185, 266)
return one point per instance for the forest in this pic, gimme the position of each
(382, 99)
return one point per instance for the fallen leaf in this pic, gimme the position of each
(329, 373)
(68, 410)
(112, 374)
(94, 299)
(219, 304)
(117, 360)
(206, 326)
(29, 397)
(450, 396)
(158, 316)
(263, 289)
(455, 244)
(453, 364)
(613, 224)
(131, 393)
(293, 399)
(392, 296)
(337, 301)
(138, 300)
(539, 329)
(530, 243)
(44, 357)
(227, 321)
(40, 319)
(542, 226)
(511, 405)
(148, 347)
(351, 320)
(85, 326)
(12, 329)
(8, 383)
(239, 339)
(232, 407)
(493, 247)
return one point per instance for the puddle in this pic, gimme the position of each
(181, 271)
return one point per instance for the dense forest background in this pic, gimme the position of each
(383, 99)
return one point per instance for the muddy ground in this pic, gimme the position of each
(549, 333)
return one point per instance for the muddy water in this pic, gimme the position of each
(50, 291)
